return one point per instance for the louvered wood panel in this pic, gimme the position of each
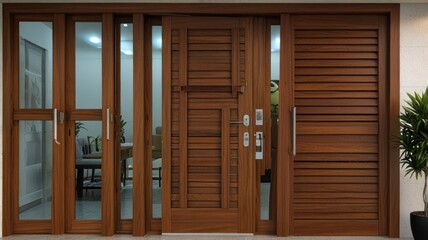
(208, 94)
(337, 89)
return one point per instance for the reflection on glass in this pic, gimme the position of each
(126, 108)
(267, 184)
(88, 170)
(35, 65)
(88, 65)
(35, 170)
(157, 121)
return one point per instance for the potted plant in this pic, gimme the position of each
(413, 141)
(122, 130)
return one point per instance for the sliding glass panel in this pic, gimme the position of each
(156, 121)
(88, 169)
(267, 176)
(35, 170)
(126, 121)
(88, 65)
(35, 65)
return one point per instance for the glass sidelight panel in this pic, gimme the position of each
(126, 117)
(88, 67)
(35, 170)
(88, 149)
(156, 121)
(267, 176)
(35, 65)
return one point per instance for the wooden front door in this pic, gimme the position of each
(338, 85)
(208, 165)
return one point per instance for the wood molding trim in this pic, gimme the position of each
(138, 191)
(256, 9)
(58, 181)
(394, 127)
(7, 124)
(108, 200)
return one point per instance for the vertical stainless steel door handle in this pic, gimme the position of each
(55, 129)
(293, 122)
(108, 124)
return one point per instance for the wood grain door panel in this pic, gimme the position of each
(208, 168)
(339, 92)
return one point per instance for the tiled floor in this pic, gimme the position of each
(123, 237)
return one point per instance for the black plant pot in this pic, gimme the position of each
(419, 224)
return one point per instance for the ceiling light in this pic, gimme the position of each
(128, 52)
(125, 25)
(95, 40)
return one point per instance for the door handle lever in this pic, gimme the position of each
(55, 127)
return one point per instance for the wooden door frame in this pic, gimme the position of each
(392, 11)
(106, 225)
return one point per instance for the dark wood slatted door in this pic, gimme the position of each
(339, 92)
(207, 92)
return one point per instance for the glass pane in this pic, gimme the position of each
(267, 185)
(126, 108)
(35, 65)
(88, 169)
(157, 121)
(88, 65)
(35, 170)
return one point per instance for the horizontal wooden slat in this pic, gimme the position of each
(198, 66)
(209, 32)
(335, 41)
(337, 208)
(336, 63)
(336, 22)
(335, 102)
(220, 220)
(209, 74)
(318, 179)
(199, 177)
(336, 48)
(322, 94)
(336, 86)
(341, 227)
(336, 200)
(336, 157)
(337, 110)
(305, 128)
(334, 215)
(327, 33)
(331, 187)
(336, 165)
(336, 172)
(204, 197)
(203, 153)
(204, 204)
(354, 71)
(210, 82)
(204, 161)
(337, 118)
(336, 55)
(336, 195)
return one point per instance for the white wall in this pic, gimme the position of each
(414, 77)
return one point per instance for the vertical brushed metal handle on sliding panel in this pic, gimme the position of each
(108, 123)
(293, 122)
(55, 123)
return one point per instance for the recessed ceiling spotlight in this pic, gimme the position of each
(128, 52)
(95, 40)
(125, 25)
